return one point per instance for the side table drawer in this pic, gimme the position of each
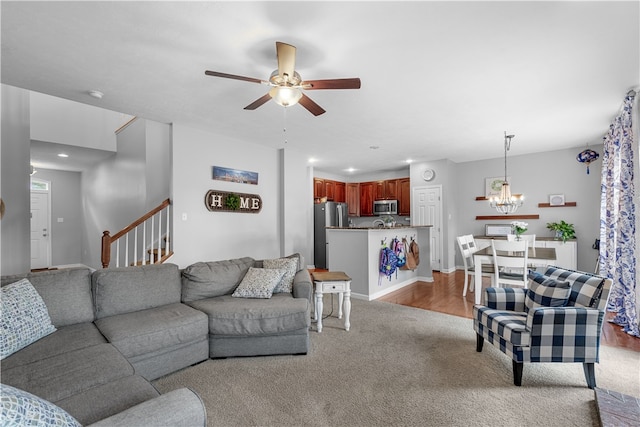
(334, 286)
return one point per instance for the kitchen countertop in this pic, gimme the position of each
(543, 239)
(380, 228)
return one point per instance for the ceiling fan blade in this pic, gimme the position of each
(258, 102)
(313, 108)
(235, 77)
(286, 59)
(353, 83)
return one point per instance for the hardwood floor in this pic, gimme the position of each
(445, 295)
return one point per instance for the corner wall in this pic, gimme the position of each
(15, 245)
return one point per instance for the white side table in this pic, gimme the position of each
(333, 282)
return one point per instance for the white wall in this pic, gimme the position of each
(536, 176)
(211, 236)
(66, 122)
(119, 190)
(15, 244)
(296, 227)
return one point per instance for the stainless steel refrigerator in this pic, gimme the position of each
(328, 214)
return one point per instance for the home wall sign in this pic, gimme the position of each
(227, 201)
(234, 175)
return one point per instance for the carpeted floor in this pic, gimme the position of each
(400, 366)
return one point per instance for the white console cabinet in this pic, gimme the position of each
(566, 253)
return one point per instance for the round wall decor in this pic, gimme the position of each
(428, 174)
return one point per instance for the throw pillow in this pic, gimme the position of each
(290, 266)
(258, 283)
(24, 319)
(20, 408)
(549, 293)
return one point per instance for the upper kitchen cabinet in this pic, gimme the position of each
(353, 198)
(366, 198)
(318, 188)
(330, 189)
(333, 190)
(340, 191)
(404, 196)
(386, 190)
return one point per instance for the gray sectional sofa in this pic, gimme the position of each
(118, 329)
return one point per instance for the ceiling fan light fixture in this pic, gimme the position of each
(285, 96)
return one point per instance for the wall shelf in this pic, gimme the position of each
(506, 217)
(566, 205)
(480, 198)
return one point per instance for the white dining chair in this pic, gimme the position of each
(510, 260)
(467, 245)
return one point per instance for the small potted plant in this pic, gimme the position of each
(519, 227)
(562, 229)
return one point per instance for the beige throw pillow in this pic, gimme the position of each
(258, 283)
(290, 266)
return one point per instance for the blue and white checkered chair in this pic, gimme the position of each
(558, 319)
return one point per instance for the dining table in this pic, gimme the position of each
(536, 256)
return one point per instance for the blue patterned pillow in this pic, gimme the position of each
(259, 283)
(20, 408)
(24, 319)
(546, 293)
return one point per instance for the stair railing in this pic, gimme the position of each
(140, 241)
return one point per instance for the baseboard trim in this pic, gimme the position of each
(390, 289)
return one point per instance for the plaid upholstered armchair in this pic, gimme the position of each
(557, 319)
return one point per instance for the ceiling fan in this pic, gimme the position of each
(287, 85)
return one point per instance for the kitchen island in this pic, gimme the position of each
(356, 251)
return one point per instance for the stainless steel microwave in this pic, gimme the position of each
(385, 207)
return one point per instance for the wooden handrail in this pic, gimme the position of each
(107, 239)
(139, 221)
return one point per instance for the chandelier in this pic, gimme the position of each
(506, 203)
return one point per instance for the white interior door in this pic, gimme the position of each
(426, 209)
(40, 230)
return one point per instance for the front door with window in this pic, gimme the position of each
(40, 230)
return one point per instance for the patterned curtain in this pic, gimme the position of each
(618, 252)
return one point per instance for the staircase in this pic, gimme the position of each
(144, 241)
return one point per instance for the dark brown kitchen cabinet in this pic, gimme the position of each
(366, 198)
(333, 190)
(340, 191)
(318, 188)
(329, 189)
(353, 198)
(386, 190)
(404, 196)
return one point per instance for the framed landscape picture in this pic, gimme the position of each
(235, 175)
(493, 186)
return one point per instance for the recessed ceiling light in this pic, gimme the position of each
(312, 160)
(63, 155)
(374, 147)
(351, 170)
(409, 161)
(96, 94)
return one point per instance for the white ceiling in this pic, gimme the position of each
(440, 80)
